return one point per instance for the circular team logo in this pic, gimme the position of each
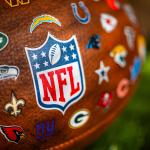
(3, 41)
(79, 118)
(123, 88)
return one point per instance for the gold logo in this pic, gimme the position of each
(13, 106)
(14, 3)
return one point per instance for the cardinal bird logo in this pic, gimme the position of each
(12, 133)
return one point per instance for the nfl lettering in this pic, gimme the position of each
(57, 73)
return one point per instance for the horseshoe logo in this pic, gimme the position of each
(87, 17)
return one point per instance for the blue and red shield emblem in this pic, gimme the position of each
(57, 73)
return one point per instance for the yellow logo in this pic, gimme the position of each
(141, 44)
(43, 19)
(14, 106)
(119, 53)
(14, 3)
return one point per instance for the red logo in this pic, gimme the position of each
(114, 4)
(105, 99)
(12, 133)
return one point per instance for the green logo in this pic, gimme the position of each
(3, 41)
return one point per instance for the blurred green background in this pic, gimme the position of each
(131, 131)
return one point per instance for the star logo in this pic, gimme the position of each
(66, 58)
(74, 56)
(64, 49)
(45, 63)
(34, 57)
(37, 66)
(43, 54)
(71, 47)
(103, 73)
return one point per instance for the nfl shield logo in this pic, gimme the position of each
(57, 73)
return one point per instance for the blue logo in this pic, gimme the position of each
(45, 129)
(57, 73)
(94, 42)
(87, 17)
(136, 68)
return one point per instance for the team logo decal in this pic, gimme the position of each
(43, 19)
(103, 73)
(7, 72)
(45, 129)
(94, 42)
(57, 73)
(79, 118)
(114, 4)
(105, 100)
(108, 22)
(13, 106)
(123, 88)
(130, 14)
(13, 3)
(87, 17)
(141, 44)
(12, 133)
(130, 36)
(3, 41)
(136, 68)
(119, 53)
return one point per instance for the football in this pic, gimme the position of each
(67, 70)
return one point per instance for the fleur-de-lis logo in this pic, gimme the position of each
(13, 106)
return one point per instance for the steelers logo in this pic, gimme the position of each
(79, 118)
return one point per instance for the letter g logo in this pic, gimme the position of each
(79, 118)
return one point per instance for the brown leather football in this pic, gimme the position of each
(67, 69)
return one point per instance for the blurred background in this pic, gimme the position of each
(131, 131)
